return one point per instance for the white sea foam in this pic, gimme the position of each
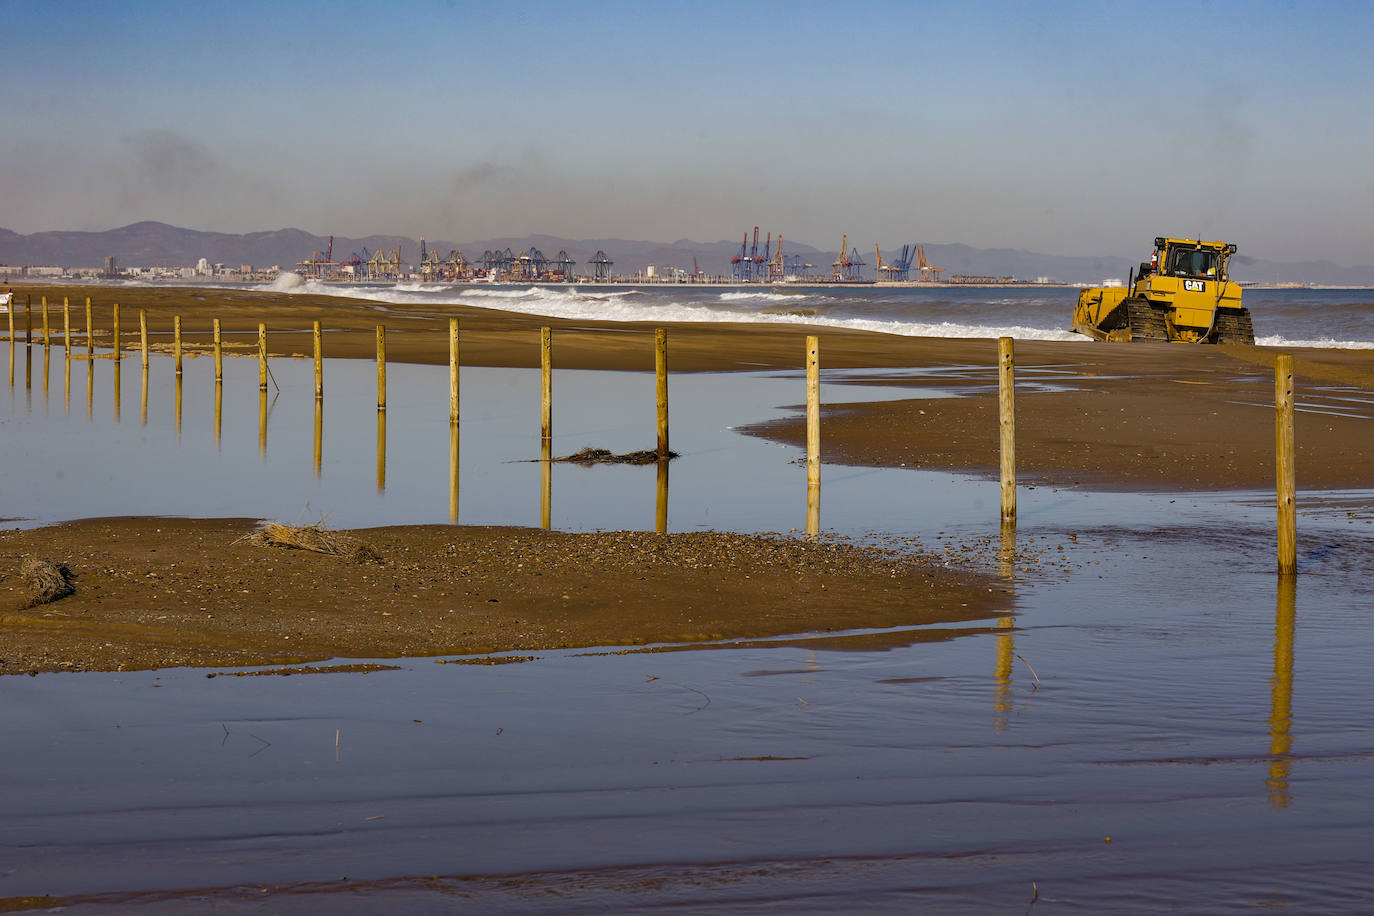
(629, 306)
(762, 297)
(1325, 343)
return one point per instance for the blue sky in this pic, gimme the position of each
(1066, 128)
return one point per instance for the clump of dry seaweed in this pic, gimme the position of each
(46, 582)
(591, 455)
(315, 538)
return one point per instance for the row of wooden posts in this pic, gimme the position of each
(1284, 444)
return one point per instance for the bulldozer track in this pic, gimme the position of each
(1234, 326)
(1146, 321)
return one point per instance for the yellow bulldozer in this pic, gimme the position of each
(1183, 293)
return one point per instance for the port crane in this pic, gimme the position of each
(924, 269)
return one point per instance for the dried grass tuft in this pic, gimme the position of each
(315, 538)
(47, 582)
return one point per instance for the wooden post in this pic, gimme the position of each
(453, 372)
(219, 353)
(1285, 470)
(114, 332)
(47, 334)
(661, 388)
(143, 342)
(1006, 409)
(319, 364)
(66, 327)
(813, 411)
(262, 357)
(176, 342)
(9, 313)
(546, 389)
(381, 369)
(90, 341)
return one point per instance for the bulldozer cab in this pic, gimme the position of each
(1196, 263)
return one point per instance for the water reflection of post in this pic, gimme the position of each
(1006, 646)
(1281, 694)
(661, 503)
(319, 437)
(262, 424)
(381, 451)
(177, 409)
(453, 473)
(546, 483)
(90, 389)
(117, 397)
(219, 406)
(46, 358)
(143, 399)
(67, 386)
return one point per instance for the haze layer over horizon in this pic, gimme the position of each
(1064, 128)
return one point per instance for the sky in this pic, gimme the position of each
(1063, 128)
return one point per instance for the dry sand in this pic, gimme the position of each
(157, 592)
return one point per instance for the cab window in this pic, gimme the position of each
(1193, 262)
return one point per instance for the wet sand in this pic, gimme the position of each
(154, 592)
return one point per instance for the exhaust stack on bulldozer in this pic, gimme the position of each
(1183, 293)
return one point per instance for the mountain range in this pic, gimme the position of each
(153, 244)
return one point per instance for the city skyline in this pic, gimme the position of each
(1067, 128)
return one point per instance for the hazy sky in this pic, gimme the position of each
(1067, 128)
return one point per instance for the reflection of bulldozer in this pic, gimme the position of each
(1182, 293)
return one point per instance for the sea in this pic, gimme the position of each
(1334, 318)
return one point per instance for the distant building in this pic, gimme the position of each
(110, 270)
(203, 267)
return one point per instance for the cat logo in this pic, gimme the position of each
(1195, 286)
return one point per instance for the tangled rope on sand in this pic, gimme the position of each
(47, 582)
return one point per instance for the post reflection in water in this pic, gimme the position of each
(453, 473)
(262, 423)
(219, 408)
(28, 366)
(90, 389)
(1006, 645)
(1281, 694)
(176, 411)
(143, 398)
(67, 387)
(117, 399)
(381, 451)
(661, 501)
(47, 351)
(319, 436)
(813, 509)
(545, 484)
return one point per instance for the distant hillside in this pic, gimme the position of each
(155, 244)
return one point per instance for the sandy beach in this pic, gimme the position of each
(156, 592)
